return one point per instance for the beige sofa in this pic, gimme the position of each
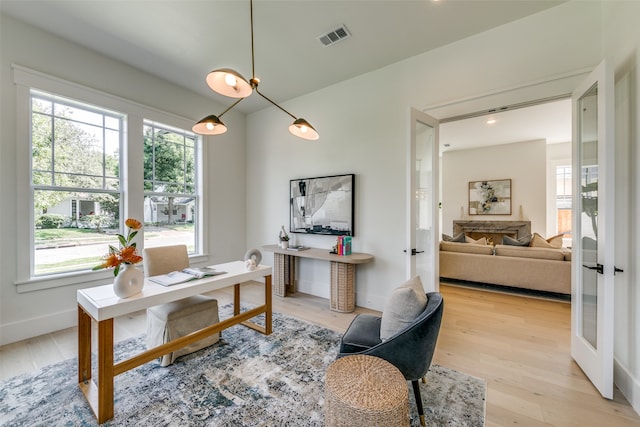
(540, 269)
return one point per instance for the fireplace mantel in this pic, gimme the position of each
(515, 229)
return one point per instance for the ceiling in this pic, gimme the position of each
(182, 40)
(550, 121)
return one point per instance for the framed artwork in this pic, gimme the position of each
(322, 205)
(490, 197)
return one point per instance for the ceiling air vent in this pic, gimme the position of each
(334, 36)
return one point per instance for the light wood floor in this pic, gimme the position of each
(519, 345)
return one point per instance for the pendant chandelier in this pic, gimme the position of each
(228, 82)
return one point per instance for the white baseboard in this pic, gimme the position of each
(628, 385)
(29, 328)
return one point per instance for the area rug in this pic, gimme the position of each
(247, 379)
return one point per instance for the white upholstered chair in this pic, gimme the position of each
(167, 322)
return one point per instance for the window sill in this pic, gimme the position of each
(86, 278)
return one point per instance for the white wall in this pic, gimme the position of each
(363, 126)
(24, 315)
(523, 162)
(621, 43)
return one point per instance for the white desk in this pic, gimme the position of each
(343, 273)
(102, 305)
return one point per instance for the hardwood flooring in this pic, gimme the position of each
(519, 345)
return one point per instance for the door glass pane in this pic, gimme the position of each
(588, 133)
(423, 206)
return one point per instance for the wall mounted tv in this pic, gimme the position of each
(322, 205)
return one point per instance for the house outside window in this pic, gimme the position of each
(75, 182)
(170, 186)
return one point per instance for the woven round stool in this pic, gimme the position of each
(365, 391)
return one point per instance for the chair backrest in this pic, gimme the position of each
(164, 259)
(411, 349)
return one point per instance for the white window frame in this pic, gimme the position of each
(131, 175)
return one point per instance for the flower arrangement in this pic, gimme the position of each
(127, 253)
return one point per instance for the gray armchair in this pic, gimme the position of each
(410, 350)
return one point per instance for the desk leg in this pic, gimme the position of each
(343, 293)
(84, 346)
(100, 396)
(236, 299)
(105, 370)
(266, 308)
(268, 302)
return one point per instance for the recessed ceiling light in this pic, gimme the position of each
(491, 121)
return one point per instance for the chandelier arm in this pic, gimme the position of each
(272, 102)
(230, 107)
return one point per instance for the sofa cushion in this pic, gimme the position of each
(480, 241)
(523, 241)
(460, 238)
(466, 248)
(529, 252)
(552, 242)
(402, 307)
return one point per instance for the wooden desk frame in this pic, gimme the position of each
(100, 396)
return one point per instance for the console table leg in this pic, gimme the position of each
(343, 292)
(284, 269)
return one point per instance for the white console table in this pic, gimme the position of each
(343, 273)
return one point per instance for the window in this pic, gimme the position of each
(170, 193)
(563, 200)
(82, 173)
(75, 182)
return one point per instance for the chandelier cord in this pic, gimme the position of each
(253, 67)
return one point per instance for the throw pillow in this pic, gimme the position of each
(523, 241)
(480, 241)
(554, 242)
(460, 238)
(446, 237)
(404, 305)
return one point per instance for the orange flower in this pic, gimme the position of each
(111, 261)
(127, 253)
(133, 224)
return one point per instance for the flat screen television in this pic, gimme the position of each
(322, 205)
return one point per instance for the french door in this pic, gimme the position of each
(593, 228)
(422, 200)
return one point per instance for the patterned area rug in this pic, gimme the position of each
(247, 379)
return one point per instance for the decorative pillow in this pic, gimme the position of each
(446, 237)
(523, 241)
(554, 242)
(481, 241)
(404, 305)
(460, 238)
